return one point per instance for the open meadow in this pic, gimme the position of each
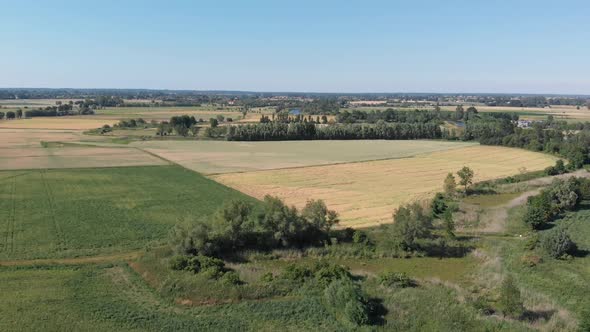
(367, 193)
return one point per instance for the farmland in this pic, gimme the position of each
(82, 212)
(366, 193)
(37, 149)
(86, 244)
(212, 157)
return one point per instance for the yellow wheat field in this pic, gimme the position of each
(367, 193)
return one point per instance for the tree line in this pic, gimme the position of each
(276, 131)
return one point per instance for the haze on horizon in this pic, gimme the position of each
(308, 46)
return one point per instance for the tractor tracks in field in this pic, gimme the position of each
(59, 233)
(73, 261)
(11, 220)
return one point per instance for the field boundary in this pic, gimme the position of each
(73, 261)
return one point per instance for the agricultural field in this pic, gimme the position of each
(214, 157)
(74, 122)
(83, 212)
(38, 149)
(367, 193)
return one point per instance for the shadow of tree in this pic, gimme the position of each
(536, 315)
(377, 311)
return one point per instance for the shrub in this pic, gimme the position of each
(211, 263)
(327, 273)
(296, 273)
(510, 303)
(361, 237)
(193, 264)
(230, 278)
(557, 243)
(178, 262)
(395, 280)
(346, 299)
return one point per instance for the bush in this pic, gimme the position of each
(510, 303)
(327, 273)
(193, 264)
(361, 237)
(557, 243)
(230, 278)
(178, 262)
(395, 280)
(296, 273)
(346, 299)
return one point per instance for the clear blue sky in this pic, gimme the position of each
(325, 46)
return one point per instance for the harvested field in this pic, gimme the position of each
(22, 149)
(63, 122)
(367, 193)
(213, 157)
(21, 138)
(75, 157)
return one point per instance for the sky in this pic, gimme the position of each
(501, 46)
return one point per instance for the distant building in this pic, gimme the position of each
(295, 111)
(524, 123)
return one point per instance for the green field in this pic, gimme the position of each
(80, 212)
(113, 298)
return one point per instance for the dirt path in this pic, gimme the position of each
(72, 261)
(493, 220)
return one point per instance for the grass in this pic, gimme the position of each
(82, 212)
(489, 201)
(564, 281)
(222, 157)
(367, 193)
(435, 308)
(99, 298)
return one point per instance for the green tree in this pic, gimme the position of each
(282, 223)
(465, 175)
(510, 302)
(232, 223)
(557, 243)
(10, 115)
(449, 224)
(538, 212)
(410, 224)
(19, 113)
(450, 185)
(459, 112)
(213, 122)
(1, 115)
(319, 217)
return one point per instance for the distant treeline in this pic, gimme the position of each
(544, 136)
(276, 131)
(391, 115)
